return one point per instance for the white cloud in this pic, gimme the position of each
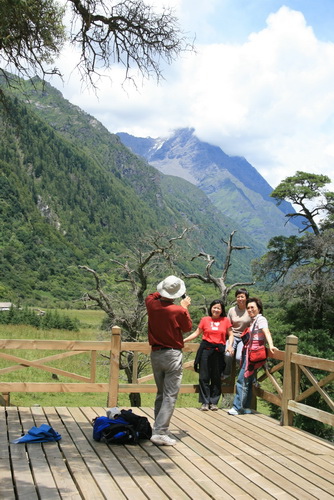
(275, 101)
(269, 99)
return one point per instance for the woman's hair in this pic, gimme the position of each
(257, 301)
(217, 301)
(241, 290)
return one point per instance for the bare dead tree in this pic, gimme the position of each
(219, 282)
(101, 298)
(126, 306)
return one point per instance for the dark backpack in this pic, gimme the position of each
(141, 424)
(113, 431)
(126, 428)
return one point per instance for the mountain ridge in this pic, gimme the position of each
(71, 193)
(232, 183)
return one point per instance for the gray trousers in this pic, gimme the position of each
(167, 371)
(238, 346)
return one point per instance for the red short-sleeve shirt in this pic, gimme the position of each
(215, 331)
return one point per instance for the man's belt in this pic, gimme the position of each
(163, 348)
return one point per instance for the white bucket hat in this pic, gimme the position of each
(171, 287)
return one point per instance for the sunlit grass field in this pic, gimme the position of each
(90, 322)
(89, 318)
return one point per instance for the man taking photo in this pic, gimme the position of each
(167, 322)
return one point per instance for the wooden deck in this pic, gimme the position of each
(217, 456)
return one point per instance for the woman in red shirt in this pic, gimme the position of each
(215, 330)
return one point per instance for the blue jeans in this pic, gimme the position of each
(243, 389)
(167, 370)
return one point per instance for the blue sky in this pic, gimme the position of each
(233, 20)
(260, 85)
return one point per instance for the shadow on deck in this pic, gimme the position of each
(217, 456)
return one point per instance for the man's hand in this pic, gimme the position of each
(186, 302)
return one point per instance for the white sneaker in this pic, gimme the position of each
(162, 440)
(233, 411)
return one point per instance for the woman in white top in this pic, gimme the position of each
(240, 320)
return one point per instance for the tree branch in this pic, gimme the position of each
(219, 282)
(129, 33)
(102, 300)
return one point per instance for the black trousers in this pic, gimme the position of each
(211, 367)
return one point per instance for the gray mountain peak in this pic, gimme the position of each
(234, 186)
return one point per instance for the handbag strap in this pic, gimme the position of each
(252, 332)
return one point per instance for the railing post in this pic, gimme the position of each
(5, 399)
(289, 379)
(135, 368)
(114, 366)
(93, 366)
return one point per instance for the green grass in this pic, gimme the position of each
(89, 318)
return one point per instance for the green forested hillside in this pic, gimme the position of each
(71, 194)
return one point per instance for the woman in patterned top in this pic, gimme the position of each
(259, 334)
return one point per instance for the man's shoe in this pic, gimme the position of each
(213, 407)
(247, 411)
(162, 440)
(233, 411)
(204, 407)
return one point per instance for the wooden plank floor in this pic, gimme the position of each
(217, 456)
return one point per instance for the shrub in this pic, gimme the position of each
(26, 316)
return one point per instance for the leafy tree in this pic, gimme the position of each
(304, 266)
(301, 189)
(32, 33)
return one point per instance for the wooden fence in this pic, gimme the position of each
(285, 374)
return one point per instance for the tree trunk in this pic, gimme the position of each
(135, 399)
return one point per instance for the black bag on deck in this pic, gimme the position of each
(119, 434)
(114, 431)
(126, 428)
(141, 424)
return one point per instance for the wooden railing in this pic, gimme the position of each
(284, 377)
(288, 394)
(71, 348)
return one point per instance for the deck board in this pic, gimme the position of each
(291, 452)
(237, 444)
(22, 475)
(42, 475)
(276, 451)
(217, 456)
(62, 476)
